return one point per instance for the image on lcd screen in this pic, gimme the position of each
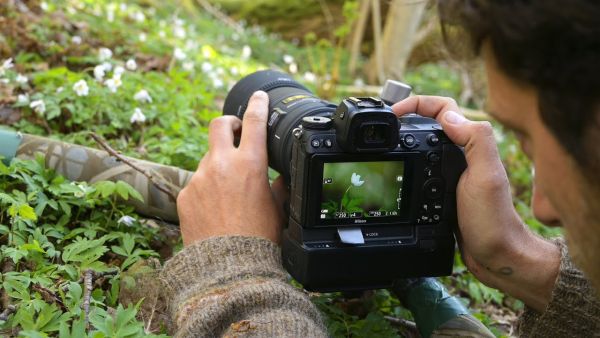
(361, 189)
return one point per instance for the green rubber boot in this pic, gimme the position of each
(436, 312)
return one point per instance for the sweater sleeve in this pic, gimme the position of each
(574, 309)
(236, 286)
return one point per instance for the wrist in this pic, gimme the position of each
(528, 270)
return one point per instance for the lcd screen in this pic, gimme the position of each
(361, 189)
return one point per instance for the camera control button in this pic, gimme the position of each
(328, 143)
(436, 218)
(428, 172)
(315, 143)
(433, 157)
(433, 139)
(409, 141)
(433, 188)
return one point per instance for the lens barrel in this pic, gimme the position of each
(289, 102)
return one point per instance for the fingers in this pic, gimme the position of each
(430, 106)
(476, 137)
(221, 133)
(254, 125)
(478, 140)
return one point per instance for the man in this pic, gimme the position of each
(541, 59)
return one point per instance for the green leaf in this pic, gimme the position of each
(105, 188)
(35, 246)
(27, 212)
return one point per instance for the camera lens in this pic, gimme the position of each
(289, 102)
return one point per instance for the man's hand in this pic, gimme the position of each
(495, 244)
(229, 194)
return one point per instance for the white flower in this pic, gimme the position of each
(22, 98)
(293, 68)
(127, 220)
(21, 79)
(107, 66)
(178, 22)
(162, 34)
(59, 90)
(123, 7)
(118, 71)
(217, 83)
(143, 96)
(38, 106)
(179, 54)
(131, 64)
(104, 54)
(110, 15)
(188, 66)
(6, 64)
(206, 67)
(99, 72)
(142, 37)
(234, 70)
(113, 83)
(288, 59)
(81, 88)
(139, 17)
(356, 180)
(246, 52)
(137, 116)
(76, 39)
(44, 6)
(310, 77)
(179, 32)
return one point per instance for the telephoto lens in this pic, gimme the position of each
(289, 102)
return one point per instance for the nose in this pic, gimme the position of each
(543, 209)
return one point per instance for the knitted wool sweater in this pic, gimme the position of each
(236, 287)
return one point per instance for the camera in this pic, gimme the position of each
(372, 196)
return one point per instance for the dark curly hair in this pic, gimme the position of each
(552, 45)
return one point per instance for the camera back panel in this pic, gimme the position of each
(343, 236)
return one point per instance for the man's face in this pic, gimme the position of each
(561, 192)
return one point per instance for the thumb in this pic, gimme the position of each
(477, 138)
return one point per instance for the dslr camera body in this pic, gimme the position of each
(372, 196)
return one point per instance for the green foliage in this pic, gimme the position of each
(52, 231)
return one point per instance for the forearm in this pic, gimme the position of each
(527, 271)
(236, 286)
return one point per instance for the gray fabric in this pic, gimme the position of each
(236, 286)
(573, 311)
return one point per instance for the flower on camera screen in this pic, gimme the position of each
(356, 180)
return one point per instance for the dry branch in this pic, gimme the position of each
(49, 296)
(409, 327)
(157, 183)
(7, 312)
(212, 10)
(88, 275)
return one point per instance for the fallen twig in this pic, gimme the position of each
(49, 296)
(88, 275)
(407, 325)
(212, 10)
(159, 185)
(7, 312)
